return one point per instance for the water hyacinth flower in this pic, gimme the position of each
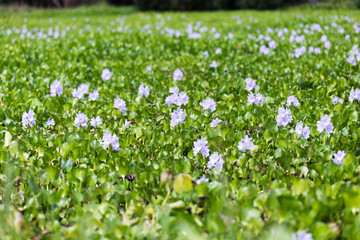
(272, 44)
(126, 124)
(200, 145)
(218, 51)
(209, 103)
(178, 75)
(112, 140)
(213, 64)
(215, 122)
(230, 35)
(302, 131)
(325, 124)
(177, 116)
(292, 100)
(215, 160)
(339, 157)
(336, 100)
(106, 75)
(259, 98)
(94, 95)
(28, 119)
(81, 91)
(182, 99)
(327, 45)
(206, 53)
(354, 95)
(56, 89)
(250, 84)
(246, 143)
(50, 122)
(80, 120)
(120, 104)
(201, 180)
(302, 236)
(148, 68)
(144, 91)
(284, 117)
(95, 122)
(351, 59)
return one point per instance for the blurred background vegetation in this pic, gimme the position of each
(191, 5)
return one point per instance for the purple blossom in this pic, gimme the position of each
(126, 124)
(302, 131)
(200, 145)
(215, 122)
(259, 98)
(246, 143)
(302, 236)
(218, 51)
(292, 100)
(351, 59)
(213, 64)
(250, 84)
(209, 103)
(94, 95)
(81, 91)
(177, 116)
(336, 100)
(28, 119)
(95, 122)
(325, 124)
(178, 75)
(120, 104)
(50, 122)
(354, 95)
(56, 89)
(339, 157)
(215, 160)
(201, 180)
(144, 91)
(206, 53)
(112, 140)
(182, 99)
(284, 117)
(80, 120)
(106, 75)
(148, 68)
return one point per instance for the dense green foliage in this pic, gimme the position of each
(59, 182)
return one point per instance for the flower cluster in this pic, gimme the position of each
(325, 124)
(81, 91)
(177, 116)
(252, 99)
(215, 122)
(106, 75)
(120, 104)
(354, 95)
(208, 103)
(246, 143)
(176, 97)
(339, 157)
(56, 89)
(302, 131)
(112, 140)
(200, 145)
(81, 120)
(178, 75)
(144, 90)
(95, 122)
(215, 160)
(292, 100)
(28, 119)
(284, 117)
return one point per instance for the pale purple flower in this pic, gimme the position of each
(302, 236)
(56, 89)
(112, 140)
(215, 122)
(292, 100)
(272, 44)
(126, 124)
(200, 145)
(347, 37)
(178, 75)
(354, 95)
(28, 119)
(50, 122)
(250, 84)
(323, 38)
(177, 116)
(144, 91)
(317, 50)
(95, 122)
(302, 131)
(259, 98)
(327, 45)
(81, 91)
(215, 160)
(80, 120)
(218, 51)
(174, 89)
(351, 59)
(217, 35)
(201, 180)
(148, 68)
(94, 95)
(230, 35)
(284, 117)
(206, 53)
(336, 100)
(120, 104)
(106, 75)
(325, 124)
(213, 64)
(264, 50)
(209, 103)
(182, 99)
(172, 99)
(339, 157)
(246, 143)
